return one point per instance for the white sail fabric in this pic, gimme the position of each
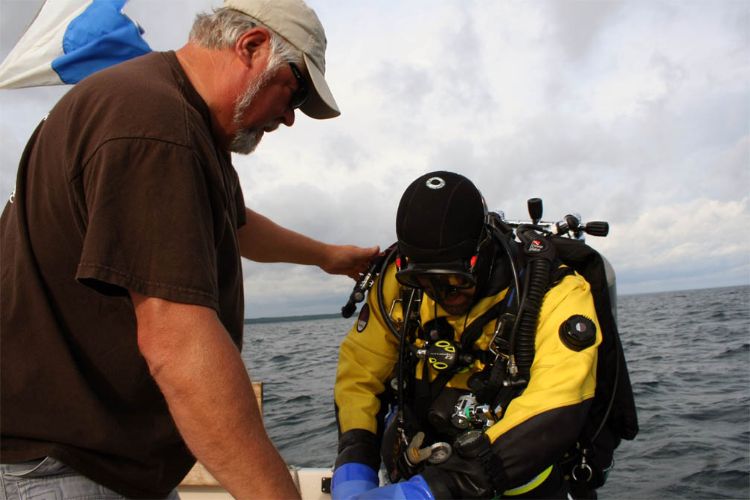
(70, 39)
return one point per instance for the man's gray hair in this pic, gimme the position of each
(222, 28)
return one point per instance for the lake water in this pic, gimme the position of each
(689, 359)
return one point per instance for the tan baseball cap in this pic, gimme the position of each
(300, 26)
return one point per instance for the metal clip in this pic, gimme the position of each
(498, 345)
(397, 322)
(584, 468)
(414, 454)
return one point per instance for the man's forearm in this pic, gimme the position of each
(209, 394)
(262, 240)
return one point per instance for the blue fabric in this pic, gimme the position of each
(415, 488)
(100, 37)
(349, 480)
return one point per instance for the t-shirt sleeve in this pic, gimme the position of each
(150, 224)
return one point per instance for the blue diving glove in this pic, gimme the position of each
(415, 488)
(351, 479)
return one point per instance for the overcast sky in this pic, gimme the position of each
(634, 112)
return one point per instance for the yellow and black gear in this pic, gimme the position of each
(538, 426)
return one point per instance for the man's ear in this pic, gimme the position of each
(253, 47)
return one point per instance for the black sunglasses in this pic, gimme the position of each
(299, 97)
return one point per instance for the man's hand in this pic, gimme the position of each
(349, 260)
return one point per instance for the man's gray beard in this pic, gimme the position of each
(247, 139)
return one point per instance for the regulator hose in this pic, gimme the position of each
(502, 240)
(536, 282)
(403, 342)
(540, 255)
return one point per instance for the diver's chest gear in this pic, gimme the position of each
(441, 355)
(490, 381)
(468, 413)
(439, 349)
(439, 412)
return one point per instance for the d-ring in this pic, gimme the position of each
(583, 467)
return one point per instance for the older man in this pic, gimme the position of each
(122, 304)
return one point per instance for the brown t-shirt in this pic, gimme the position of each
(121, 188)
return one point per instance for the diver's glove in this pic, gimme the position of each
(470, 472)
(351, 479)
(414, 489)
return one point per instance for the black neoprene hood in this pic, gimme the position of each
(440, 218)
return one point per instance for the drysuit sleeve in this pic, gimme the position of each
(542, 423)
(367, 357)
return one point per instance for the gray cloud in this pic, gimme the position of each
(577, 26)
(634, 112)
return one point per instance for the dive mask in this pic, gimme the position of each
(438, 280)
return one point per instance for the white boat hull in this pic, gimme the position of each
(200, 485)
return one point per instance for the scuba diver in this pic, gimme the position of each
(472, 368)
